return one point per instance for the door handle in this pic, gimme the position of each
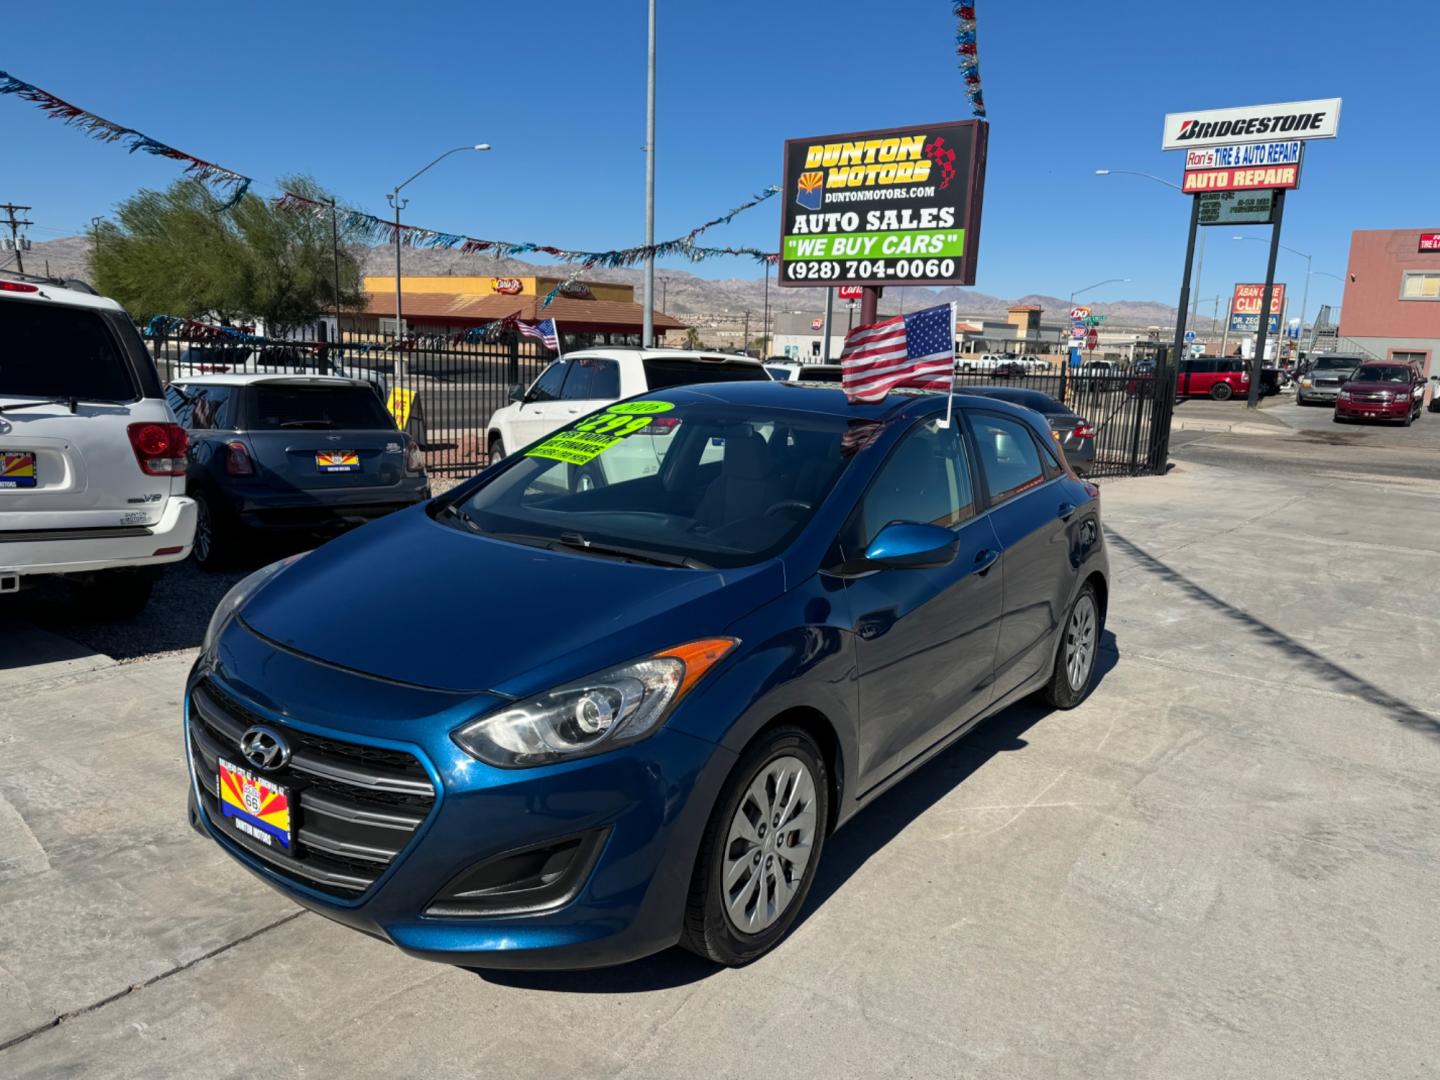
(1066, 509)
(984, 559)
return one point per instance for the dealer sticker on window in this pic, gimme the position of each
(592, 436)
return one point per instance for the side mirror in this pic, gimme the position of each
(517, 392)
(908, 545)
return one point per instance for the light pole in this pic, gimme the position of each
(400, 204)
(1200, 255)
(647, 334)
(1305, 293)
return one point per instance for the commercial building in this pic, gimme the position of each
(799, 335)
(599, 313)
(1391, 308)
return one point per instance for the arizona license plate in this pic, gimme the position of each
(17, 469)
(337, 461)
(257, 807)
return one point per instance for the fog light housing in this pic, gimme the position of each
(529, 879)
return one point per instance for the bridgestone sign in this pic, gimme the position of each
(1318, 119)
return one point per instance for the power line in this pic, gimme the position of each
(17, 242)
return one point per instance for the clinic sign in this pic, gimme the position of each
(900, 206)
(1291, 120)
(1245, 308)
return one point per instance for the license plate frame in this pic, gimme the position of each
(19, 469)
(256, 806)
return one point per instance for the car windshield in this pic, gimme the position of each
(1335, 363)
(61, 352)
(689, 484)
(1375, 373)
(354, 408)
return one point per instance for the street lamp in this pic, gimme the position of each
(400, 204)
(1305, 293)
(1200, 254)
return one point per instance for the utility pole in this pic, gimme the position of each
(647, 336)
(16, 224)
(745, 341)
(768, 346)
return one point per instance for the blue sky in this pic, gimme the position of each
(361, 94)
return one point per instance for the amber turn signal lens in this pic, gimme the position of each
(698, 658)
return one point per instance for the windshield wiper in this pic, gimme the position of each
(308, 424)
(453, 510)
(576, 542)
(71, 403)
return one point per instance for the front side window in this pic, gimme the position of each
(1009, 458)
(926, 479)
(61, 352)
(548, 386)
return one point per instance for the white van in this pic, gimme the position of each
(92, 463)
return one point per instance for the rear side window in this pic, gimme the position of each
(355, 408)
(50, 351)
(1009, 458)
(592, 379)
(663, 372)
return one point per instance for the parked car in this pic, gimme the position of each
(290, 454)
(584, 381)
(1382, 391)
(632, 716)
(1034, 364)
(1075, 435)
(92, 463)
(1010, 369)
(1218, 377)
(983, 364)
(1326, 375)
(826, 373)
(788, 371)
(1434, 405)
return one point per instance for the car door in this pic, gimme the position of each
(540, 411)
(1031, 514)
(924, 638)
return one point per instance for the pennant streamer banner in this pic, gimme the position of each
(98, 127)
(965, 48)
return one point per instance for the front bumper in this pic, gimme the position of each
(88, 550)
(1374, 410)
(1317, 393)
(650, 802)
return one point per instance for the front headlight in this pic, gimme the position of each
(614, 707)
(241, 591)
(1306, 381)
(1344, 395)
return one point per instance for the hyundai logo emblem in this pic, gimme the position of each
(264, 748)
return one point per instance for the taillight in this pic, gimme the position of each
(159, 448)
(1084, 430)
(660, 425)
(414, 459)
(17, 286)
(237, 460)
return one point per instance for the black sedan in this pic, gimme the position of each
(1075, 434)
(295, 454)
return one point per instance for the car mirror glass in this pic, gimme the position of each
(517, 392)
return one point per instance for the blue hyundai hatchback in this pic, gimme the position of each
(530, 725)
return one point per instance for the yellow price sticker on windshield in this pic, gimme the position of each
(592, 436)
(574, 447)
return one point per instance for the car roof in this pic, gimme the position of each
(251, 378)
(45, 293)
(624, 352)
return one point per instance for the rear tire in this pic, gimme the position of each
(497, 450)
(1075, 658)
(118, 594)
(1221, 391)
(781, 776)
(214, 535)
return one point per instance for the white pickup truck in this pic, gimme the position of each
(92, 463)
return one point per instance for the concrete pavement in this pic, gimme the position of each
(1220, 865)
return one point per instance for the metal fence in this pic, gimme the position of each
(1129, 406)
(440, 387)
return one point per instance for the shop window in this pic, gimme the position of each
(1420, 285)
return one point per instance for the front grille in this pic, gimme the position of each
(1386, 399)
(353, 807)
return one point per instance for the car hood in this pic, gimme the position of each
(409, 599)
(1375, 387)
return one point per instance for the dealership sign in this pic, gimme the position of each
(1245, 308)
(893, 207)
(1252, 123)
(1237, 208)
(1430, 241)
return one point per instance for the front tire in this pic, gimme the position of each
(760, 849)
(1074, 672)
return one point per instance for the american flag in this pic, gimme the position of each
(906, 350)
(543, 331)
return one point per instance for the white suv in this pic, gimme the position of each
(92, 463)
(587, 380)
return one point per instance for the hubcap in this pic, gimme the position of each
(1080, 643)
(768, 846)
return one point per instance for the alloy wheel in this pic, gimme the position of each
(769, 845)
(1080, 643)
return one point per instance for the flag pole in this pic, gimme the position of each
(950, 398)
(559, 350)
